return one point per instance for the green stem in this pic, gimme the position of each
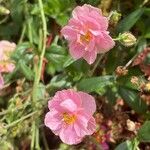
(38, 69)
(44, 28)
(3, 20)
(96, 64)
(22, 33)
(44, 39)
(130, 61)
(37, 146)
(33, 136)
(19, 120)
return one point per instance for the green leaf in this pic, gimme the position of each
(59, 81)
(68, 62)
(128, 22)
(50, 68)
(56, 55)
(144, 132)
(62, 19)
(95, 83)
(26, 71)
(41, 91)
(111, 95)
(127, 145)
(133, 99)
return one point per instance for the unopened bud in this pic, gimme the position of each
(36, 59)
(135, 80)
(121, 71)
(131, 125)
(147, 86)
(4, 11)
(127, 39)
(115, 18)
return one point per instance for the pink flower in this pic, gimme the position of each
(87, 33)
(6, 48)
(71, 115)
(1, 82)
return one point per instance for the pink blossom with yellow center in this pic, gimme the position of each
(87, 33)
(6, 49)
(71, 115)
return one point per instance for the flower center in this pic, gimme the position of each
(69, 119)
(86, 38)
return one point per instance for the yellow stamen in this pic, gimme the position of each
(69, 119)
(86, 38)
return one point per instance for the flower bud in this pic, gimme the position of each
(147, 87)
(115, 18)
(135, 80)
(127, 39)
(121, 71)
(4, 11)
(131, 125)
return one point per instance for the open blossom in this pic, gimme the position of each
(71, 115)
(6, 48)
(87, 33)
(6, 64)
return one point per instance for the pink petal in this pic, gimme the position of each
(68, 105)
(53, 120)
(85, 10)
(92, 9)
(81, 124)
(90, 57)
(104, 42)
(91, 46)
(91, 126)
(8, 46)
(63, 95)
(76, 50)
(69, 33)
(74, 23)
(69, 136)
(7, 67)
(11, 67)
(91, 16)
(88, 102)
(85, 124)
(105, 146)
(80, 129)
(1, 82)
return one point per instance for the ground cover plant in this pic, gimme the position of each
(74, 74)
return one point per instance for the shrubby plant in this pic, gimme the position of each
(74, 74)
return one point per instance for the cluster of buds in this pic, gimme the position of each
(107, 131)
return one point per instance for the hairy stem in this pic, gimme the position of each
(38, 69)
